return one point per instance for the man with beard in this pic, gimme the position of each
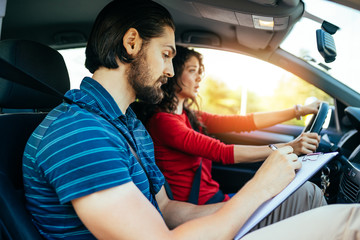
(83, 147)
(89, 169)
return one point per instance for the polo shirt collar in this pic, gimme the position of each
(102, 99)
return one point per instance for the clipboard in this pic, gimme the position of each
(309, 167)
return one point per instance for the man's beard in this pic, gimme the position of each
(139, 76)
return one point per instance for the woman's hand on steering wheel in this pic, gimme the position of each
(311, 108)
(318, 119)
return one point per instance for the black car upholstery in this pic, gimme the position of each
(25, 59)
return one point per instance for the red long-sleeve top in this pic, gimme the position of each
(179, 149)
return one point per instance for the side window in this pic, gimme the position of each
(239, 84)
(75, 63)
(233, 84)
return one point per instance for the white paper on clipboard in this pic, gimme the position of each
(308, 169)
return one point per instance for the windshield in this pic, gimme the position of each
(301, 41)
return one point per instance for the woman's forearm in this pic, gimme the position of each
(248, 154)
(267, 119)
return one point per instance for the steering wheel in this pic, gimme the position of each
(317, 120)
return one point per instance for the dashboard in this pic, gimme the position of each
(347, 164)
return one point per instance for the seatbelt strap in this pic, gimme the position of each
(151, 186)
(168, 190)
(27, 80)
(152, 190)
(195, 188)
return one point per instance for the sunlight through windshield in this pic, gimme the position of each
(302, 40)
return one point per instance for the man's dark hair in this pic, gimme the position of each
(106, 39)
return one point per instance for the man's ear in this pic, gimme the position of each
(132, 41)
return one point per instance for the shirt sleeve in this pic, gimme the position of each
(227, 123)
(87, 159)
(169, 130)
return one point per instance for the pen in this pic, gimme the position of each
(273, 147)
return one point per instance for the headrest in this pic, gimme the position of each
(37, 60)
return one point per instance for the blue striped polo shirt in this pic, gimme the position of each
(80, 149)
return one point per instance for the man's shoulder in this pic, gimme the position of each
(71, 116)
(71, 124)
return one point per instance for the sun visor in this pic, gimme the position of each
(259, 39)
(255, 29)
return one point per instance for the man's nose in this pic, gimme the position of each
(169, 70)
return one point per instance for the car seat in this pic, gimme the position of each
(23, 106)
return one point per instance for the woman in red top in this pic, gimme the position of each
(180, 139)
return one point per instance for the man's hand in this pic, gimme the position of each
(277, 171)
(305, 143)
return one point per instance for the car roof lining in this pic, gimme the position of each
(66, 26)
(205, 23)
(63, 25)
(232, 20)
(350, 3)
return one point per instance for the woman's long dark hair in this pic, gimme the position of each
(170, 101)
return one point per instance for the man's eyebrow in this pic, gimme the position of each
(173, 50)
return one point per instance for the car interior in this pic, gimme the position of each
(33, 32)
(23, 108)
